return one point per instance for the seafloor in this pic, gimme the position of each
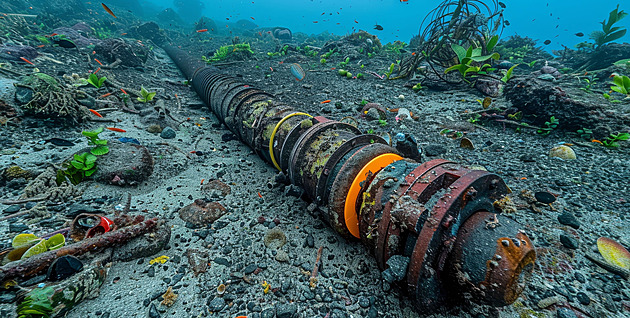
(591, 191)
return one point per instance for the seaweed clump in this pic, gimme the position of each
(50, 99)
(518, 49)
(237, 51)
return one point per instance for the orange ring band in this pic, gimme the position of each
(350, 211)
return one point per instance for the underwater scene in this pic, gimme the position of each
(314, 158)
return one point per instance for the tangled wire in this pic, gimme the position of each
(462, 22)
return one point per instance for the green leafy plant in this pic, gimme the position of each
(395, 47)
(360, 75)
(224, 52)
(516, 116)
(474, 119)
(37, 303)
(417, 87)
(370, 54)
(585, 134)
(612, 141)
(96, 81)
(26, 245)
(146, 95)
(282, 51)
(589, 82)
(364, 102)
(342, 72)
(389, 72)
(345, 62)
(370, 131)
(549, 126)
(610, 33)
(382, 122)
(621, 85)
(532, 63)
(83, 165)
(322, 61)
(472, 61)
(508, 74)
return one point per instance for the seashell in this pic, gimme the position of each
(221, 289)
(613, 252)
(562, 152)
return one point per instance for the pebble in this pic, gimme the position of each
(310, 241)
(250, 269)
(153, 312)
(168, 133)
(434, 150)
(17, 227)
(286, 310)
(364, 302)
(568, 242)
(13, 209)
(569, 219)
(580, 277)
(217, 304)
(583, 298)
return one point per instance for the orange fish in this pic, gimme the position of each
(52, 35)
(99, 62)
(123, 91)
(123, 34)
(40, 46)
(27, 61)
(105, 95)
(95, 113)
(314, 21)
(98, 69)
(252, 18)
(109, 10)
(202, 30)
(115, 129)
(355, 21)
(597, 141)
(326, 101)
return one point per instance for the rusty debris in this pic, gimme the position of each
(202, 212)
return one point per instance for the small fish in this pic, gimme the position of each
(597, 141)
(27, 61)
(355, 21)
(404, 0)
(506, 22)
(501, 4)
(124, 91)
(105, 95)
(67, 44)
(252, 18)
(109, 10)
(95, 113)
(378, 27)
(547, 42)
(41, 46)
(115, 129)
(60, 142)
(326, 101)
(579, 34)
(202, 30)
(297, 71)
(99, 62)
(98, 69)
(314, 21)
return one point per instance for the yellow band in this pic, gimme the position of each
(273, 134)
(350, 211)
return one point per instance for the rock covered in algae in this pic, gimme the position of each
(562, 152)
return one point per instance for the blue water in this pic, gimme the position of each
(401, 20)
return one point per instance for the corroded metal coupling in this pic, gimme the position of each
(432, 227)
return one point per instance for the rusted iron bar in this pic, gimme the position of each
(39, 263)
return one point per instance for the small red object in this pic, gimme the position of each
(103, 227)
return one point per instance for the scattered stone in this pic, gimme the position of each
(580, 277)
(286, 310)
(546, 77)
(310, 240)
(154, 129)
(583, 298)
(17, 227)
(282, 256)
(201, 212)
(568, 242)
(562, 152)
(13, 209)
(434, 150)
(216, 189)
(168, 133)
(397, 268)
(250, 269)
(364, 302)
(77, 208)
(153, 312)
(569, 219)
(125, 164)
(217, 304)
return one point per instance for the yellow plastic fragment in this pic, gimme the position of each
(160, 259)
(267, 286)
(613, 252)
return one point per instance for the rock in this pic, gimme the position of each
(564, 312)
(154, 129)
(12, 209)
(17, 227)
(144, 245)
(153, 312)
(201, 212)
(397, 268)
(125, 164)
(364, 302)
(583, 298)
(489, 87)
(569, 219)
(562, 152)
(75, 209)
(373, 114)
(217, 304)
(250, 269)
(434, 150)
(546, 77)
(168, 133)
(282, 256)
(216, 189)
(286, 310)
(568, 242)
(310, 240)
